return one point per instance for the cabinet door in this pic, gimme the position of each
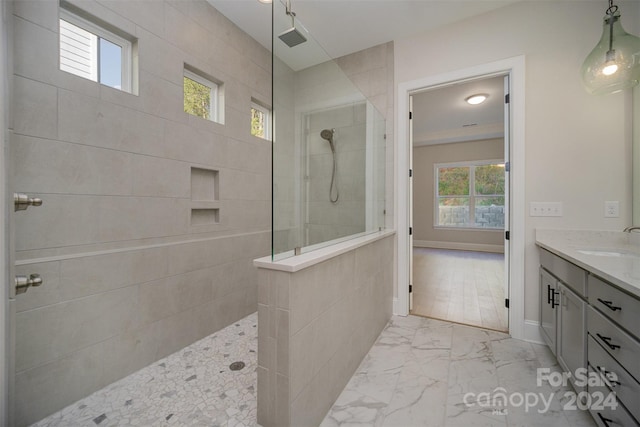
(548, 300)
(572, 343)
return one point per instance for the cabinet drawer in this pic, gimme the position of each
(607, 416)
(619, 306)
(616, 342)
(628, 391)
(572, 275)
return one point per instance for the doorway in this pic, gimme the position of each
(459, 203)
(515, 68)
(458, 286)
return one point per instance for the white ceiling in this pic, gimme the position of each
(340, 27)
(442, 115)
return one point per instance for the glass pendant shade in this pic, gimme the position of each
(614, 64)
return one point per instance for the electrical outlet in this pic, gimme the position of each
(612, 209)
(545, 209)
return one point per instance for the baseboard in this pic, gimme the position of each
(532, 332)
(395, 308)
(459, 246)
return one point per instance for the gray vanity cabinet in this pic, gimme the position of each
(613, 321)
(563, 311)
(571, 347)
(548, 313)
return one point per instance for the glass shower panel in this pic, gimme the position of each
(328, 151)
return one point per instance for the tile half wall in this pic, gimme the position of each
(315, 327)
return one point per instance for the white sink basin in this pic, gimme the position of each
(608, 253)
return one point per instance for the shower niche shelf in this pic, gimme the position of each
(205, 190)
(204, 185)
(205, 216)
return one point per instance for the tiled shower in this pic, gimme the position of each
(151, 217)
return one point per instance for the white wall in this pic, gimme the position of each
(424, 232)
(577, 147)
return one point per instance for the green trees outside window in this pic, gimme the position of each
(470, 195)
(258, 123)
(197, 98)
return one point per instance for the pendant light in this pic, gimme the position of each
(614, 64)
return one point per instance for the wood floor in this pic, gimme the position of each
(460, 286)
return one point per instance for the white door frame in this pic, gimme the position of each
(515, 67)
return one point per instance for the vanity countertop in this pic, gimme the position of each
(622, 270)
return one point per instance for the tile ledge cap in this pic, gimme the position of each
(300, 262)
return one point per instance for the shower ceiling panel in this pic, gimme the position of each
(347, 26)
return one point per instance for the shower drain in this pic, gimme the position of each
(236, 366)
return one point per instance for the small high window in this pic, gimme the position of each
(95, 53)
(260, 121)
(202, 97)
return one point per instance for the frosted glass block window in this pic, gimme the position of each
(94, 53)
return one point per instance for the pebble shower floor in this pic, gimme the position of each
(192, 387)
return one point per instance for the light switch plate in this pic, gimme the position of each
(612, 209)
(545, 209)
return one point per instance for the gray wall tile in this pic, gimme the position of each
(84, 321)
(35, 108)
(62, 381)
(125, 274)
(335, 313)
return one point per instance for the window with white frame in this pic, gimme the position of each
(260, 121)
(95, 53)
(201, 96)
(470, 194)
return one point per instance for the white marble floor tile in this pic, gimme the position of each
(463, 411)
(453, 375)
(433, 336)
(418, 403)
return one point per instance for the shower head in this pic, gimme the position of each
(327, 134)
(292, 37)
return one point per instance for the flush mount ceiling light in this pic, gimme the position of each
(614, 64)
(265, 1)
(476, 99)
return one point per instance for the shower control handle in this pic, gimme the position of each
(22, 201)
(23, 282)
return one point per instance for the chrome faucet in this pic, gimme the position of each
(630, 229)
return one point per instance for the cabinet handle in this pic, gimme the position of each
(548, 294)
(604, 420)
(606, 341)
(554, 304)
(604, 372)
(609, 305)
